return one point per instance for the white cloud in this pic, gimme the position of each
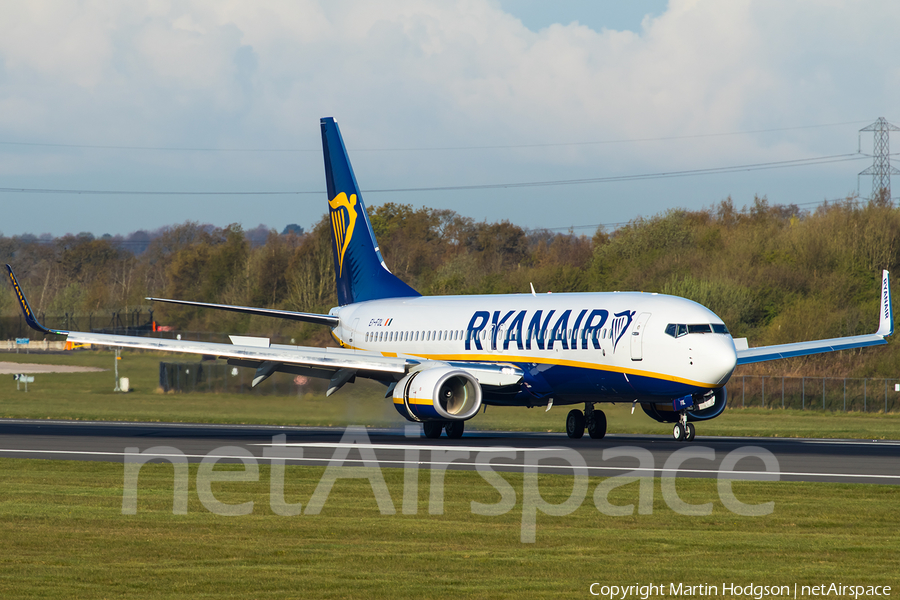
(425, 73)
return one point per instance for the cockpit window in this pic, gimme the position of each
(677, 330)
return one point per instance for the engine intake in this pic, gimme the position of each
(438, 394)
(706, 406)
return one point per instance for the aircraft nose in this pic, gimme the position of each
(720, 358)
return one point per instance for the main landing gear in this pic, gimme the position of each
(594, 420)
(683, 431)
(454, 429)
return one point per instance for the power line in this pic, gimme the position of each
(617, 141)
(151, 193)
(801, 162)
(126, 242)
(420, 149)
(155, 148)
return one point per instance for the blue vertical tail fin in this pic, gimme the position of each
(359, 269)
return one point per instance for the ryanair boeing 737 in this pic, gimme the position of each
(443, 358)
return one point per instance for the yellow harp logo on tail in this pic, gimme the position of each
(343, 219)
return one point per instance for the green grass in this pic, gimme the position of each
(90, 396)
(64, 536)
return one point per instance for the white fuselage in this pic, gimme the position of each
(602, 345)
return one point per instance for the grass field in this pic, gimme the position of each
(64, 536)
(90, 396)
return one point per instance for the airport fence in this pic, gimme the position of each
(137, 321)
(217, 377)
(835, 394)
(131, 322)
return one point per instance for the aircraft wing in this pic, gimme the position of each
(317, 362)
(764, 353)
(338, 364)
(885, 328)
(256, 350)
(245, 351)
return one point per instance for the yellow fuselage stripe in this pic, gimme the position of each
(499, 359)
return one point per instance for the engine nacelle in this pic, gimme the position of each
(438, 394)
(708, 406)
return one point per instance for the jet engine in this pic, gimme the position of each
(438, 394)
(706, 406)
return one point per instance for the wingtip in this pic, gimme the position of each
(30, 318)
(886, 312)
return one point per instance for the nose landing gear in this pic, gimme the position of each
(683, 431)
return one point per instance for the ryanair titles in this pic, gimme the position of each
(527, 329)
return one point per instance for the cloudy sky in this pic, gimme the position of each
(225, 96)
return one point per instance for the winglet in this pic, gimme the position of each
(26, 309)
(886, 314)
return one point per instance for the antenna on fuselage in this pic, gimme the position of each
(533, 293)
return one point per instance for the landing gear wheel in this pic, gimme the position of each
(596, 425)
(433, 429)
(690, 433)
(575, 424)
(455, 429)
(679, 432)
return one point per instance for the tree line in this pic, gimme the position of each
(774, 273)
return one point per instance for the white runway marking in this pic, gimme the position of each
(491, 464)
(13, 368)
(401, 447)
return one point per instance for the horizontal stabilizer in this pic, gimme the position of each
(329, 320)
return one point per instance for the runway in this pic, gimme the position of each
(771, 459)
